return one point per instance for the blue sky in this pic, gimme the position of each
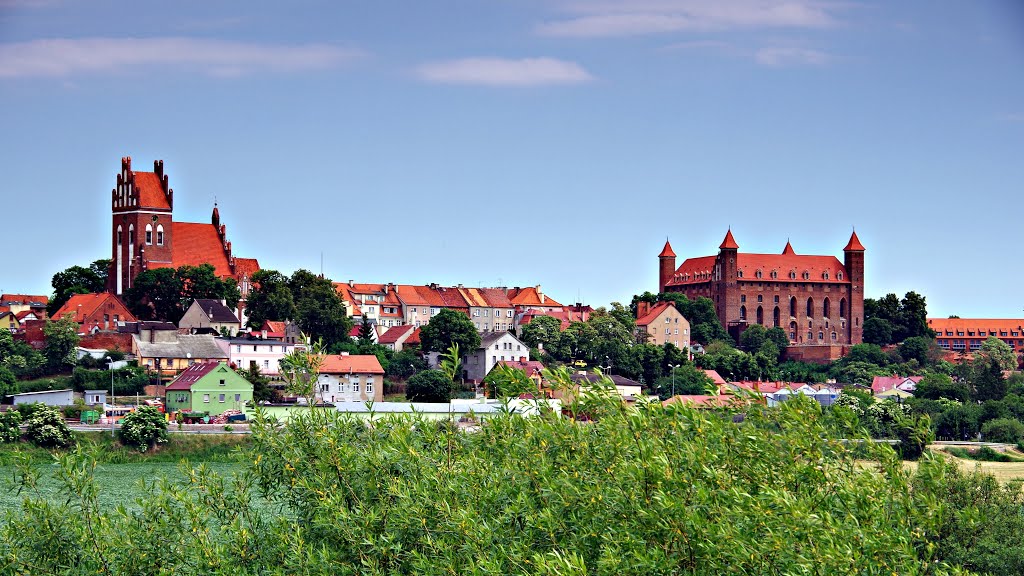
(519, 142)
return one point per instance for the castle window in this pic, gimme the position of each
(792, 306)
(821, 335)
(739, 274)
(160, 235)
(825, 275)
(810, 307)
(149, 234)
(807, 275)
(826, 308)
(775, 274)
(760, 315)
(776, 299)
(743, 312)
(833, 336)
(757, 274)
(743, 297)
(760, 298)
(842, 308)
(810, 336)
(792, 275)
(839, 275)
(776, 317)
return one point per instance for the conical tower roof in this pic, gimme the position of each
(729, 242)
(854, 244)
(788, 250)
(667, 252)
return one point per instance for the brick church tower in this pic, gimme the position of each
(141, 223)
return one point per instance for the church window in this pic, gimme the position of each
(118, 235)
(160, 235)
(149, 234)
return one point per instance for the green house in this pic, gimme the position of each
(208, 387)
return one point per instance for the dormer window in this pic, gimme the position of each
(775, 274)
(792, 275)
(807, 275)
(839, 275)
(758, 274)
(824, 275)
(739, 274)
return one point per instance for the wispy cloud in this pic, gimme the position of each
(83, 56)
(789, 56)
(603, 18)
(504, 72)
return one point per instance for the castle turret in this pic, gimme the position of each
(725, 289)
(666, 266)
(854, 262)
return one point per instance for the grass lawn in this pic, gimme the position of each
(118, 483)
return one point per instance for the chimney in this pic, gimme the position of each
(351, 283)
(386, 289)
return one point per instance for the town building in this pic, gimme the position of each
(817, 300)
(396, 336)
(246, 353)
(350, 378)
(9, 320)
(661, 324)
(21, 302)
(211, 387)
(286, 331)
(95, 312)
(210, 315)
(168, 358)
(494, 347)
(968, 334)
(144, 235)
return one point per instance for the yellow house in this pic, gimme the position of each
(662, 324)
(9, 321)
(168, 359)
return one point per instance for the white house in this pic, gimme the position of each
(494, 347)
(264, 354)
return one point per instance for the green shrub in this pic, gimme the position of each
(47, 428)
(429, 386)
(144, 428)
(1007, 430)
(983, 454)
(10, 422)
(27, 410)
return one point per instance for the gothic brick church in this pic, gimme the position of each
(144, 235)
(817, 300)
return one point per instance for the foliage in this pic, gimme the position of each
(700, 313)
(449, 327)
(261, 389)
(127, 381)
(18, 357)
(319, 310)
(61, 343)
(165, 293)
(143, 428)
(405, 363)
(429, 386)
(985, 377)
(8, 381)
(889, 320)
(504, 381)
(1007, 430)
(365, 330)
(269, 298)
(1000, 352)
(77, 280)
(300, 370)
(10, 423)
(47, 428)
(935, 386)
(542, 331)
(921, 348)
(688, 380)
(878, 331)
(982, 454)
(451, 362)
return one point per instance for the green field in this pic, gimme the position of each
(118, 483)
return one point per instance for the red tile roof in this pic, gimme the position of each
(413, 338)
(531, 296)
(411, 295)
(704, 401)
(246, 266)
(715, 377)
(348, 364)
(150, 191)
(394, 334)
(788, 250)
(196, 244)
(274, 328)
(452, 298)
(80, 306)
(788, 268)
(667, 252)
(191, 375)
(653, 314)
(854, 244)
(496, 298)
(21, 315)
(26, 299)
(729, 242)
(990, 326)
(531, 367)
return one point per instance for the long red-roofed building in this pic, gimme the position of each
(144, 235)
(817, 300)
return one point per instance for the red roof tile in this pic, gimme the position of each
(531, 367)
(196, 244)
(413, 338)
(788, 268)
(347, 364)
(191, 375)
(246, 266)
(729, 242)
(531, 296)
(667, 252)
(411, 295)
(79, 306)
(788, 250)
(452, 298)
(150, 191)
(394, 334)
(496, 298)
(998, 327)
(653, 313)
(885, 383)
(854, 244)
(25, 299)
(704, 401)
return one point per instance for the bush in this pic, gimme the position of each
(127, 381)
(144, 428)
(1006, 430)
(28, 409)
(10, 422)
(429, 386)
(47, 428)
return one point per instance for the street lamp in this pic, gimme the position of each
(673, 367)
(110, 366)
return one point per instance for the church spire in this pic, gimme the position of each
(216, 215)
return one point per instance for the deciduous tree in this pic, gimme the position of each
(449, 327)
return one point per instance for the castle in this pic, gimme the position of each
(144, 235)
(817, 300)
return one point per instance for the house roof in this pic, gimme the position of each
(216, 311)
(274, 328)
(24, 299)
(411, 295)
(715, 377)
(531, 367)
(351, 364)
(991, 326)
(788, 268)
(883, 383)
(495, 298)
(531, 296)
(25, 314)
(195, 244)
(200, 346)
(591, 377)
(246, 266)
(488, 338)
(79, 306)
(854, 244)
(395, 333)
(150, 191)
(667, 252)
(788, 250)
(413, 338)
(192, 374)
(452, 298)
(654, 313)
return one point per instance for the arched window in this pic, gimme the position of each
(826, 308)
(776, 317)
(810, 307)
(792, 306)
(760, 298)
(743, 312)
(792, 275)
(821, 335)
(833, 336)
(825, 275)
(760, 315)
(739, 274)
(807, 275)
(119, 232)
(810, 336)
(149, 234)
(775, 274)
(839, 275)
(842, 308)
(792, 331)
(159, 234)
(757, 274)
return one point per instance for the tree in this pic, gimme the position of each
(261, 390)
(1006, 430)
(155, 295)
(449, 327)
(365, 330)
(61, 343)
(878, 331)
(778, 337)
(986, 379)
(651, 361)
(913, 317)
(405, 363)
(144, 428)
(623, 316)
(47, 428)
(429, 386)
(270, 298)
(752, 338)
(10, 426)
(578, 343)
(504, 381)
(542, 332)
(935, 386)
(921, 348)
(319, 310)
(889, 320)
(1000, 352)
(8, 381)
(688, 380)
(202, 282)
(77, 280)
(870, 353)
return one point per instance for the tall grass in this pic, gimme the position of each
(192, 447)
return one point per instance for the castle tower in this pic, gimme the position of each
(666, 266)
(854, 262)
(140, 230)
(727, 294)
